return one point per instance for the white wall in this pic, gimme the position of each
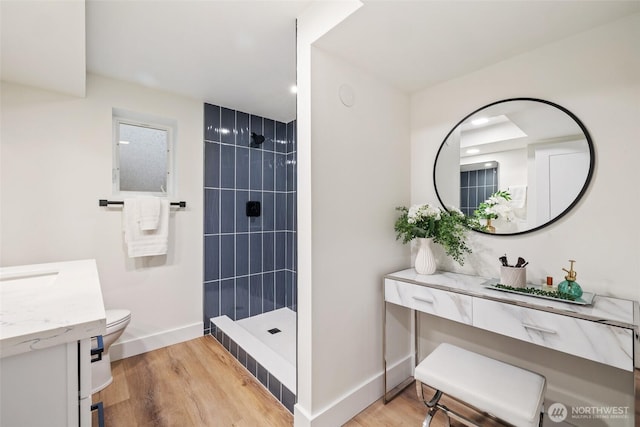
(596, 75)
(352, 172)
(56, 163)
(359, 175)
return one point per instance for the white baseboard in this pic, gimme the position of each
(133, 347)
(352, 403)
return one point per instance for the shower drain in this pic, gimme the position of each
(274, 331)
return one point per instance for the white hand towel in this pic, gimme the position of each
(140, 242)
(518, 196)
(148, 212)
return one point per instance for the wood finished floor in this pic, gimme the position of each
(199, 384)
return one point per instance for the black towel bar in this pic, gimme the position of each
(105, 202)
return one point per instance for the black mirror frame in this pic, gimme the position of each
(592, 160)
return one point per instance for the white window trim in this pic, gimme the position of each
(142, 120)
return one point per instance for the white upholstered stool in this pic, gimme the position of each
(509, 393)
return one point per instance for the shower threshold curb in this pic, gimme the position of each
(275, 364)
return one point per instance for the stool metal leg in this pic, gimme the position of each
(431, 404)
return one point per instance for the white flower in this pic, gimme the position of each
(418, 213)
(455, 210)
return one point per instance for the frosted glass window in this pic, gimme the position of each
(142, 161)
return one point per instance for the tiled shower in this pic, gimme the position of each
(249, 262)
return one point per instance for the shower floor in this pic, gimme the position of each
(276, 352)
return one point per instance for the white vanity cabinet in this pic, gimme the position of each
(49, 313)
(47, 387)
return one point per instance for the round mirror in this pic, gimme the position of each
(516, 165)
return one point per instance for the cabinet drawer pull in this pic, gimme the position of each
(100, 408)
(427, 300)
(96, 353)
(538, 328)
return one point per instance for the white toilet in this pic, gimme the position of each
(117, 321)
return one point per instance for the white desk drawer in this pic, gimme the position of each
(606, 344)
(450, 305)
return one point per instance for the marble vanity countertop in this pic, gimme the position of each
(43, 305)
(606, 310)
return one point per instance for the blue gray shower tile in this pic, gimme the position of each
(281, 211)
(268, 171)
(289, 252)
(242, 168)
(473, 178)
(288, 289)
(251, 365)
(227, 211)
(211, 122)
(281, 137)
(289, 147)
(255, 125)
(268, 211)
(212, 164)
(274, 387)
(211, 258)
(262, 375)
(294, 305)
(292, 136)
(281, 172)
(242, 220)
(227, 256)
(228, 126)
(281, 242)
(268, 251)
(211, 300)
(226, 341)
(227, 298)
(473, 197)
(227, 166)
(291, 212)
(233, 348)
(255, 253)
(269, 135)
(242, 356)
(291, 172)
(255, 294)
(211, 211)
(242, 254)
(255, 171)
(242, 127)
(255, 223)
(281, 285)
(288, 399)
(268, 292)
(242, 297)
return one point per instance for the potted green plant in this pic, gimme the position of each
(428, 224)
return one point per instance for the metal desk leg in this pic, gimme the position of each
(391, 394)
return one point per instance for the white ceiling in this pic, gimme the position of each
(241, 54)
(43, 44)
(416, 44)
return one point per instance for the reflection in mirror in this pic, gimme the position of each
(516, 165)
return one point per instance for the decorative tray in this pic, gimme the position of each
(585, 299)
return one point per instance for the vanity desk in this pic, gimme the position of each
(605, 331)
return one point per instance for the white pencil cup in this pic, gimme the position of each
(513, 276)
